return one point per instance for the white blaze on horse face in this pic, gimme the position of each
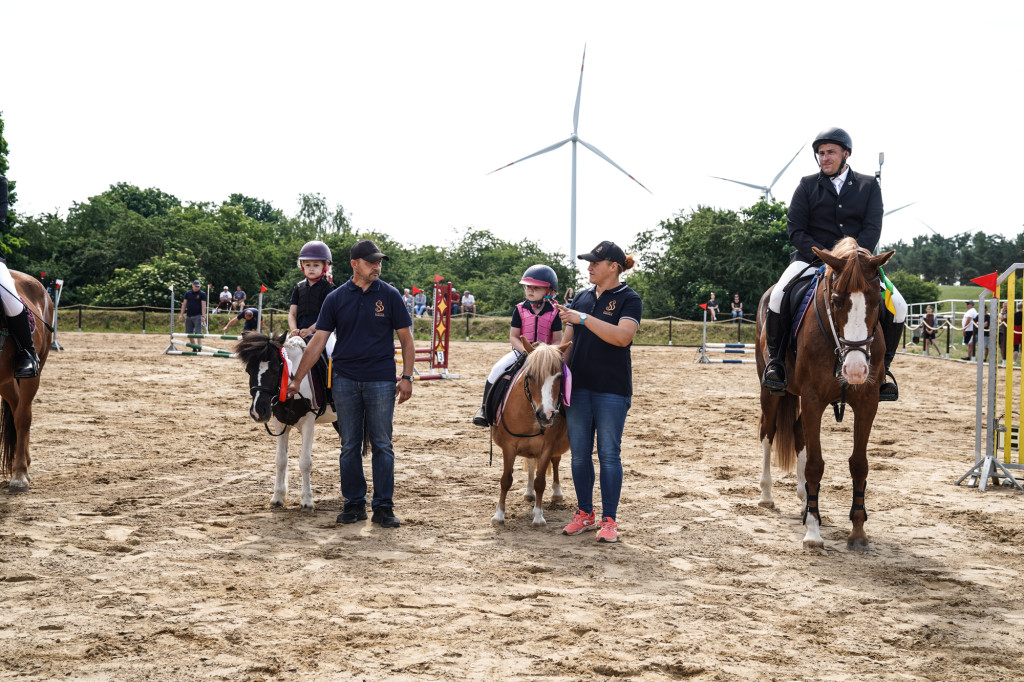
(548, 395)
(855, 366)
(264, 366)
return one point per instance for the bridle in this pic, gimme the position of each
(275, 398)
(841, 345)
(529, 398)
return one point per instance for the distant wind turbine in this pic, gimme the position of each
(900, 209)
(574, 138)
(766, 189)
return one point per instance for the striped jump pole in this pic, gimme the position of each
(218, 354)
(725, 348)
(225, 337)
(1001, 420)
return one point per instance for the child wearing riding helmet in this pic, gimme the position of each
(309, 294)
(535, 319)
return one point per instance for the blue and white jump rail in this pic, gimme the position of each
(725, 348)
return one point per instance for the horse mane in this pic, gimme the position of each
(851, 278)
(545, 361)
(253, 347)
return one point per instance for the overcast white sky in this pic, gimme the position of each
(398, 110)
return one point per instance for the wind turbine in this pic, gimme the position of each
(899, 209)
(767, 190)
(574, 138)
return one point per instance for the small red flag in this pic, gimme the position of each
(263, 289)
(416, 289)
(42, 275)
(704, 306)
(987, 281)
(438, 278)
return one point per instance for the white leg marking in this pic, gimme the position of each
(281, 477)
(306, 459)
(766, 475)
(812, 539)
(538, 518)
(499, 515)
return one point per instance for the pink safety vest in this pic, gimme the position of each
(536, 328)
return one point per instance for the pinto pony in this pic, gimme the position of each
(264, 362)
(17, 394)
(839, 358)
(531, 425)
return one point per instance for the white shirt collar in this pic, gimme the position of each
(840, 179)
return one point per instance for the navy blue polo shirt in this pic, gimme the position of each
(596, 364)
(249, 325)
(194, 302)
(365, 324)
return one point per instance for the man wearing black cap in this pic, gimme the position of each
(364, 313)
(193, 311)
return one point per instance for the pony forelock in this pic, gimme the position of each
(545, 361)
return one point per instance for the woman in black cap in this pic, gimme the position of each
(603, 320)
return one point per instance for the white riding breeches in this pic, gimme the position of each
(9, 293)
(501, 365)
(797, 267)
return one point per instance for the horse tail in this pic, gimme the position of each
(8, 439)
(785, 433)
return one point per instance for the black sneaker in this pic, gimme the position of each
(352, 514)
(385, 517)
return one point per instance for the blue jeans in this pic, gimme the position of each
(374, 402)
(605, 415)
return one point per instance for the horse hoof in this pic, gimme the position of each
(306, 508)
(858, 544)
(529, 497)
(767, 504)
(276, 504)
(543, 525)
(498, 522)
(557, 499)
(813, 544)
(17, 487)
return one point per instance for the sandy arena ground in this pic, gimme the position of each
(147, 548)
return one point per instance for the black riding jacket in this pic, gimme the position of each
(820, 217)
(308, 300)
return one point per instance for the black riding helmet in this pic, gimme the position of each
(541, 276)
(835, 136)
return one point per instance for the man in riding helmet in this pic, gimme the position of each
(309, 294)
(535, 319)
(834, 203)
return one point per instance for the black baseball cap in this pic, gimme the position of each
(366, 250)
(605, 251)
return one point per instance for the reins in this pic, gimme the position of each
(275, 399)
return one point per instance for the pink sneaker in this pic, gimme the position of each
(581, 522)
(609, 530)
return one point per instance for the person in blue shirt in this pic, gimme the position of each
(603, 320)
(365, 314)
(251, 317)
(193, 312)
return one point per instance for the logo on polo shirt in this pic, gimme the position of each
(379, 308)
(610, 309)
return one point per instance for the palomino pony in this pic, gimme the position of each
(840, 354)
(17, 394)
(263, 358)
(531, 425)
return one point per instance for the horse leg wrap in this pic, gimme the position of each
(807, 506)
(860, 507)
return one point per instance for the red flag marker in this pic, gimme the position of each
(263, 289)
(987, 281)
(704, 306)
(438, 278)
(416, 289)
(42, 275)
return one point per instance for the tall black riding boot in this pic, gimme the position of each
(774, 378)
(893, 332)
(26, 362)
(480, 418)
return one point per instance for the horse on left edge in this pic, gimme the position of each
(264, 361)
(17, 394)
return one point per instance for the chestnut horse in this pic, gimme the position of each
(16, 412)
(840, 354)
(531, 425)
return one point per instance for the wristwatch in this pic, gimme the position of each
(583, 319)
(407, 376)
